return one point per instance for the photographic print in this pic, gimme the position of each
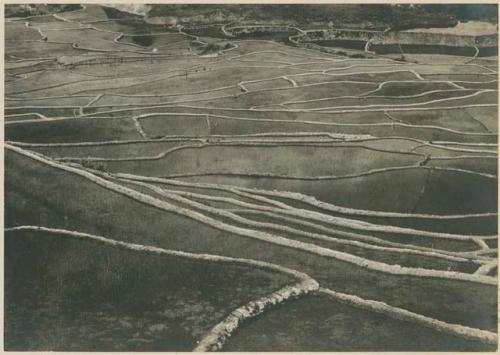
(250, 177)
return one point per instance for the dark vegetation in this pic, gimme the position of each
(25, 10)
(205, 31)
(128, 23)
(431, 49)
(134, 24)
(115, 14)
(466, 12)
(215, 47)
(143, 40)
(375, 16)
(343, 43)
(278, 36)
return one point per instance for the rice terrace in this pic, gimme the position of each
(269, 177)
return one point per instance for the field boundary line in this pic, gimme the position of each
(397, 106)
(366, 96)
(405, 315)
(243, 232)
(367, 226)
(139, 128)
(278, 214)
(486, 268)
(332, 177)
(219, 334)
(335, 137)
(311, 200)
(327, 144)
(188, 199)
(363, 237)
(482, 244)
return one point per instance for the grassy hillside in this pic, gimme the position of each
(72, 295)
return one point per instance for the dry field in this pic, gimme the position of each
(163, 195)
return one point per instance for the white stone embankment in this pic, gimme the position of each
(188, 198)
(267, 237)
(219, 334)
(402, 314)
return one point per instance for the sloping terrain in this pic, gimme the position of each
(206, 187)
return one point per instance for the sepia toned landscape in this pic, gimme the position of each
(250, 177)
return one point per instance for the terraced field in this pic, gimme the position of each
(226, 187)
